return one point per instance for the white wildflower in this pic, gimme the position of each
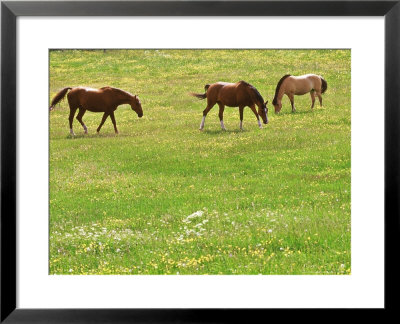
(198, 213)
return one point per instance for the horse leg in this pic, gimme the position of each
(253, 109)
(312, 94)
(102, 121)
(114, 122)
(241, 108)
(205, 112)
(291, 98)
(320, 98)
(221, 115)
(79, 118)
(71, 119)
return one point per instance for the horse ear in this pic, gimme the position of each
(266, 102)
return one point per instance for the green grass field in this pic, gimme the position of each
(164, 198)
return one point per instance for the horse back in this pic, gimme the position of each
(314, 79)
(221, 92)
(303, 84)
(96, 100)
(230, 94)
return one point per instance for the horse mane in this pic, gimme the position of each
(118, 90)
(255, 91)
(278, 86)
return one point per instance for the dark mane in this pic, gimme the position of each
(256, 93)
(274, 102)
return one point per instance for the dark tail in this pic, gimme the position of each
(199, 95)
(324, 85)
(58, 97)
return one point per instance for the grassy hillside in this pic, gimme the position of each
(164, 198)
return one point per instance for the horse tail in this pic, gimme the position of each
(58, 97)
(199, 95)
(324, 85)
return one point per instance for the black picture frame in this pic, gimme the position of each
(11, 10)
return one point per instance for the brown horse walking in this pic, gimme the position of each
(105, 100)
(299, 85)
(239, 94)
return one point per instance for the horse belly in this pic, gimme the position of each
(230, 103)
(302, 92)
(303, 87)
(227, 98)
(94, 103)
(94, 109)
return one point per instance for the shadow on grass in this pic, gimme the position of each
(300, 112)
(220, 131)
(95, 135)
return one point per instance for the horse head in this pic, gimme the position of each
(263, 112)
(137, 106)
(277, 105)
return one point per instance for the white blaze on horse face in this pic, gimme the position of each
(202, 122)
(222, 125)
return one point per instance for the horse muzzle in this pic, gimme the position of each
(140, 115)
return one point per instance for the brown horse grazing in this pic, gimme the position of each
(239, 94)
(105, 100)
(291, 85)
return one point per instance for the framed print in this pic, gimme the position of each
(197, 160)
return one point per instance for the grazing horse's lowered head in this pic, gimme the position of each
(277, 106)
(136, 106)
(263, 112)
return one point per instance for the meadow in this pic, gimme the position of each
(163, 197)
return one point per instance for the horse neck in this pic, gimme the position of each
(258, 104)
(257, 101)
(124, 98)
(280, 94)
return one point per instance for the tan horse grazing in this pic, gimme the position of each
(105, 100)
(299, 85)
(239, 94)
